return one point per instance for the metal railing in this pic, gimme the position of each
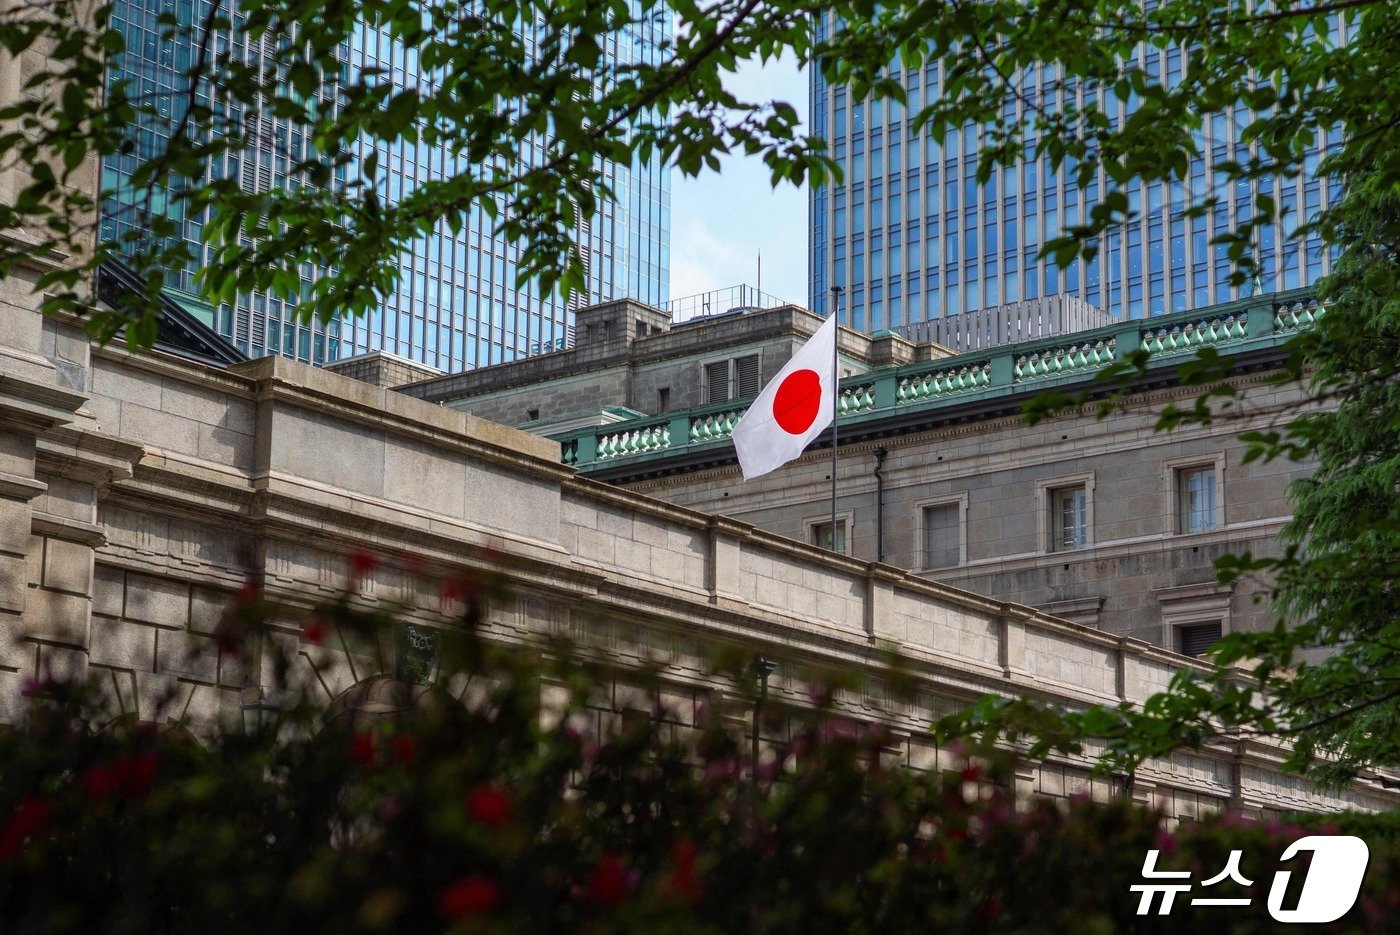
(1260, 321)
(721, 301)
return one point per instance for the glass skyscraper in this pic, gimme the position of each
(910, 235)
(457, 305)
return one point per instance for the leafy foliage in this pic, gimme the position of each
(1012, 73)
(493, 799)
(1327, 675)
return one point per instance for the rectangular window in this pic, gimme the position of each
(717, 381)
(1195, 639)
(663, 399)
(942, 536)
(1069, 518)
(732, 379)
(821, 536)
(1196, 499)
(746, 376)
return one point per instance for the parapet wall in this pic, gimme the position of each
(134, 507)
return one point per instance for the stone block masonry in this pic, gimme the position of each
(137, 529)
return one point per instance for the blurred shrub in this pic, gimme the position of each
(476, 807)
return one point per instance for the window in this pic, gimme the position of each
(1069, 518)
(732, 379)
(1196, 638)
(717, 381)
(746, 376)
(663, 399)
(821, 536)
(942, 535)
(533, 414)
(1196, 499)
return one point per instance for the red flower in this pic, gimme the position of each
(100, 781)
(30, 817)
(609, 885)
(362, 747)
(684, 882)
(314, 631)
(971, 772)
(404, 749)
(362, 563)
(465, 587)
(133, 774)
(247, 595)
(489, 806)
(991, 908)
(469, 896)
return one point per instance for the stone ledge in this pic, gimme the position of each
(23, 489)
(69, 530)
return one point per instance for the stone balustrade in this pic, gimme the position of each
(1057, 361)
(1299, 314)
(943, 381)
(1237, 327)
(1202, 332)
(853, 399)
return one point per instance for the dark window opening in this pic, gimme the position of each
(1194, 640)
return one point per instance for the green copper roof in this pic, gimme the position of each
(888, 397)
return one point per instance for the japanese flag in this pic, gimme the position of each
(792, 409)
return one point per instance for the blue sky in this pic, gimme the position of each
(720, 221)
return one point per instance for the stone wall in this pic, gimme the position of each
(630, 369)
(1137, 564)
(382, 369)
(144, 501)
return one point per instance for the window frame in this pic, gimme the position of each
(731, 369)
(1046, 491)
(1189, 605)
(812, 524)
(921, 508)
(1174, 473)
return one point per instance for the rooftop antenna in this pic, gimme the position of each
(759, 286)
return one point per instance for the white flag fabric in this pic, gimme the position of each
(793, 408)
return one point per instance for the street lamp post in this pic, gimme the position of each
(762, 667)
(260, 709)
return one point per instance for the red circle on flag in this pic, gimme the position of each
(797, 401)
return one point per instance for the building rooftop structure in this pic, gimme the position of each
(916, 386)
(640, 360)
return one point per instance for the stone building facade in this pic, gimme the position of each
(139, 492)
(137, 501)
(940, 475)
(631, 359)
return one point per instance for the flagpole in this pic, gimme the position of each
(835, 398)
